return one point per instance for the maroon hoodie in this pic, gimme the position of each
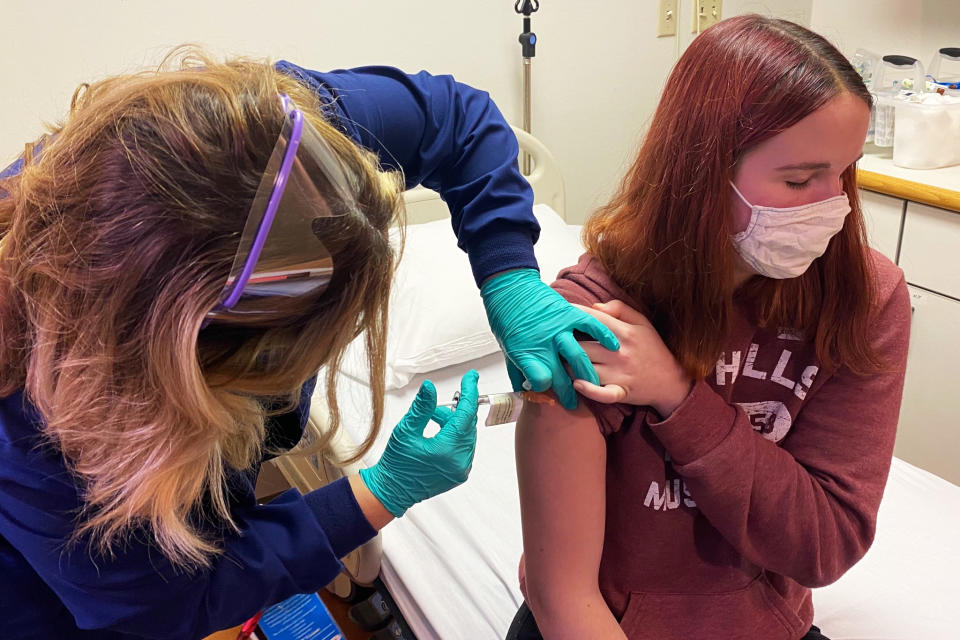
(764, 483)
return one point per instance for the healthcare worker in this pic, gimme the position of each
(178, 260)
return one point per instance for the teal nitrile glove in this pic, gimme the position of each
(414, 467)
(534, 326)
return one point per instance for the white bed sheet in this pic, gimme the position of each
(451, 562)
(908, 584)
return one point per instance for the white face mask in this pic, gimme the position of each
(783, 243)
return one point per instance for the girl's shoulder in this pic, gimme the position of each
(889, 276)
(890, 283)
(588, 282)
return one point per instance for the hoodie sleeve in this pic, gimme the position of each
(807, 509)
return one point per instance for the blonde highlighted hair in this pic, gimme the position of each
(117, 238)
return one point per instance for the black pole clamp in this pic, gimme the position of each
(528, 39)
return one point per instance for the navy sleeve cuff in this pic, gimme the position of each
(338, 512)
(499, 251)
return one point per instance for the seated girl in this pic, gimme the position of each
(736, 454)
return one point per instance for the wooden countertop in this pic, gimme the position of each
(934, 187)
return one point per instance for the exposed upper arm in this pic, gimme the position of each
(561, 468)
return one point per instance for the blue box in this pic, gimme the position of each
(300, 617)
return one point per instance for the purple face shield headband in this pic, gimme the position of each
(280, 254)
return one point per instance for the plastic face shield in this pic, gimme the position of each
(280, 255)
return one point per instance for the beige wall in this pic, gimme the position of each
(597, 75)
(916, 28)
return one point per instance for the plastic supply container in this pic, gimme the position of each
(894, 75)
(927, 132)
(944, 69)
(867, 64)
(920, 120)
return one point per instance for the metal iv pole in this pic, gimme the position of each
(528, 49)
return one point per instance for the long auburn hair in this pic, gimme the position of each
(117, 238)
(665, 236)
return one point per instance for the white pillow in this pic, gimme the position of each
(436, 314)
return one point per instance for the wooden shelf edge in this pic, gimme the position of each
(909, 190)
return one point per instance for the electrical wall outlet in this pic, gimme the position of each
(706, 13)
(667, 18)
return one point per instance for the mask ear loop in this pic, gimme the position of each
(753, 216)
(737, 191)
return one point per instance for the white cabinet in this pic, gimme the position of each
(929, 430)
(925, 242)
(930, 249)
(883, 216)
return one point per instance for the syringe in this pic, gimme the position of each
(489, 398)
(504, 407)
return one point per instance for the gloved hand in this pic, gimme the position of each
(413, 467)
(534, 326)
